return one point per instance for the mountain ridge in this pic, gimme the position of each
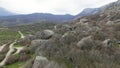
(36, 17)
(4, 12)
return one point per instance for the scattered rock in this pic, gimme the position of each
(110, 23)
(83, 20)
(118, 42)
(107, 43)
(83, 42)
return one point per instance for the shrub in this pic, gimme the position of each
(2, 57)
(99, 35)
(24, 57)
(28, 64)
(5, 50)
(11, 59)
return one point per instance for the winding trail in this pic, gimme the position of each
(19, 49)
(11, 50)
(22, 36)
(8, 54)
(3, 28)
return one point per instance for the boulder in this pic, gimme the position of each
(46, 34)
(109, 23)
(65, 26)
(84, 20)
(43, 62)
(85, 43)
(40, 62)
(118, 42)
(107, 43)
(36, 43)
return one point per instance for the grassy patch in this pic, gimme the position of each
(17, 45)
(17, 55)
(8, 35)
(15, 65)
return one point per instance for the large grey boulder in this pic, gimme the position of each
(47, 34)
(36, 43)
(107, 43)
(118, 42)
(84, 20)
(43, 62)
(85, 43)
(109, 23)
(40, 62)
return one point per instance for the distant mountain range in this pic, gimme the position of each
(7, 18)
(4, 12)
(89, 11)
(33, 18)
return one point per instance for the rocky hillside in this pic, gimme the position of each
(87, 42)
(89, 11)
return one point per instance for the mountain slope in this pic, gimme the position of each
(4, 12)
(89, 42)
(89, 11)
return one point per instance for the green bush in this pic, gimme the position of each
(12, 59)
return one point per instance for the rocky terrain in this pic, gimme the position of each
(15, 43)
(87, 42)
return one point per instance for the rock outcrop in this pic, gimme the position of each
(46, 34)
(36, 43)
(42, 62)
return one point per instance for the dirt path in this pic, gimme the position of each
(11, 49)
(22, 36)
(19, 49)
(3, 28)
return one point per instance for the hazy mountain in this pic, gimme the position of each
(4, 12)
(9, 19)
(38, 17)
(34, 18)
(88, 11)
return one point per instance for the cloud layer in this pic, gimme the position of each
(51, 6)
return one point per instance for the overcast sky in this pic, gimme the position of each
(51, 6)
